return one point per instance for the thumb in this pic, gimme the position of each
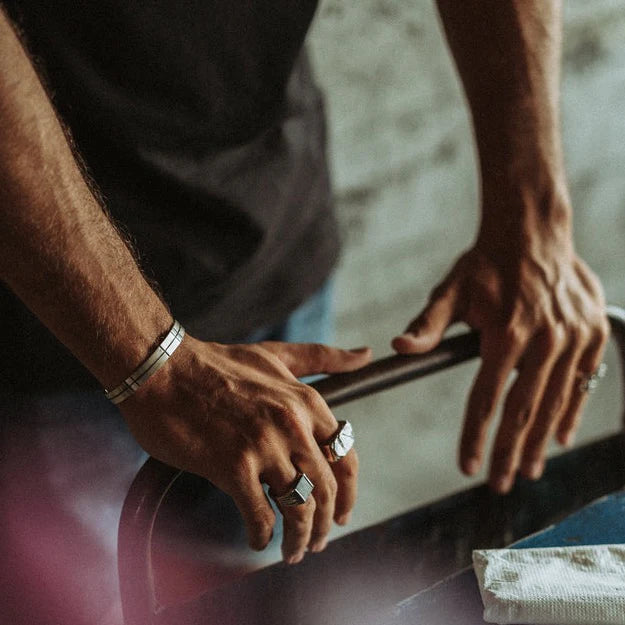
(426, 331)
(304, 359)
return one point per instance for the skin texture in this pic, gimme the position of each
(236, 415)
(538, 307)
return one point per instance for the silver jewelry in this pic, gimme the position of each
(149, 366)
(298, 494)
(589, 383)
(339, 445)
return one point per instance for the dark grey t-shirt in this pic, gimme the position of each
(200, 123)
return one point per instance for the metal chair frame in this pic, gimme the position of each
(155, 480)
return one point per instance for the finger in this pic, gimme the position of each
(317, 468)
(555, 400)
(297, 519)
(258, 516)
(346, 473)
(304, 359)
(519, 410)
(427, 330)
(500, 354)
(569, 422)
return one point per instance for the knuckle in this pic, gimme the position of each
(325, 493)
(263, 521)
(601, 332)
(308, 508)
(553, 339)
(310, 398)
(349, 471)
(558, 335)
(514, 336)
(299, 517)
(332, 485)
(552, 411)
(578, 334)
(263, 439)
(516, 420)
(349, 466)
(242, 464)
(286, 417)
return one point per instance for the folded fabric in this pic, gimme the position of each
(556, 585)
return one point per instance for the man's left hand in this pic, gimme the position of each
(538, 309)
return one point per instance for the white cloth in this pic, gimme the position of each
(558, 585)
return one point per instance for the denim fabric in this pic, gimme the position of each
(67, 462)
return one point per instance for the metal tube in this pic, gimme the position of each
(394, 370)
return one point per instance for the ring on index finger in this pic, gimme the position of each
(298, 494)
(341, 442)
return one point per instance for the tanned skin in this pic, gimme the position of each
(538, 307)
(237, 415)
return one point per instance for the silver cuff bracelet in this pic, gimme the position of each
(149, 366)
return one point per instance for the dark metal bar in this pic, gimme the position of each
(616, 316)
(134, 540)
(394, 370)
(388, 372)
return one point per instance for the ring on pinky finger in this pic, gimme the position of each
(588, 383)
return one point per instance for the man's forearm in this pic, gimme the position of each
(537, 306)
(58, 250)
(508, 56)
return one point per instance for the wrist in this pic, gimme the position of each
(527, 214)
(157, 358)
(130, 343)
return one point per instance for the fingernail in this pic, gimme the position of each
(535, 470)
(318, 546)
(472, 466)
(503, 484)
(298, 557)
(359, 350)
(344, 519)
(568, 439)
(403, 339)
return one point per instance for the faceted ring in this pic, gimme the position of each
(298, 494)
(339, 445)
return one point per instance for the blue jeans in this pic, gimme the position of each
(67, 462)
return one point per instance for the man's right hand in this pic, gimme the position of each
(238, 416)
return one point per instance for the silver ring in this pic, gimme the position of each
(339, 445)
(298, 494)
(589, 383)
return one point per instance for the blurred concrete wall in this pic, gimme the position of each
(405, 180)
